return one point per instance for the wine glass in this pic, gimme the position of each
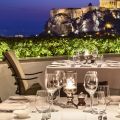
(52, 85)
(90, 85)
(70, 88)
(76, 57)
(95, 54)
(60, 77)
(42, 106)
(86, 54)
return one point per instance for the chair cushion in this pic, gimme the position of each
(33, 89)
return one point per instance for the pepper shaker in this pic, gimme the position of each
(81, 101)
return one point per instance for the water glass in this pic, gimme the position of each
(99, 60)
(106, 90)
(42, 105)
(99, 102)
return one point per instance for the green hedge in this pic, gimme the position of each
(53, 46)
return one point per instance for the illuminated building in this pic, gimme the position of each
(111, 4)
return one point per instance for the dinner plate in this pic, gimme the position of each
(6, 107)
(111, 61)
(56, 65)
(113, 65)
(17, 98)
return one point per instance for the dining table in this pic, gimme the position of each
(27, 103)
(108, 70)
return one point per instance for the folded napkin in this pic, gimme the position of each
(74, 114)
(5, 107)
(6, 116)
(115, 98)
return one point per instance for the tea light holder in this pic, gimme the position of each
(70, 89)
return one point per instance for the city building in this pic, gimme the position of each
(111, 4)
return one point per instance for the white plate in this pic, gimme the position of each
(111, 61)
(17, 98)
(113, 65)
(12, 106)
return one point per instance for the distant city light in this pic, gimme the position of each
(108, 25)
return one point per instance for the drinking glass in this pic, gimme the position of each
(99, 105)
(42, 105)
(76, 57)
(52, 85)
(99, 60)
(90, 85)
(106, 90)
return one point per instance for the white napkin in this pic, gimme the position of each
(72, 114)
(115, 98)
(12, 106)
(6, 116)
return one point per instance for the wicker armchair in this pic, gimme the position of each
(21, 79)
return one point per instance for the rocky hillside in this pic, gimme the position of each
(94, 21)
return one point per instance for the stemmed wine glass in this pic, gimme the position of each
(90, 85)
(51, 84)
(60, 77)
(86, 54)
(95, 54)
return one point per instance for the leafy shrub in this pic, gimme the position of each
(54, 46)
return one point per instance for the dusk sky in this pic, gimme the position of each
(28, 17)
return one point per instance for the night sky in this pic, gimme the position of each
(28, 17)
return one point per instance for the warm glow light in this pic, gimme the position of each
(108, 25)
(70, 84)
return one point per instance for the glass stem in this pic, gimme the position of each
(51, 105)
(91, 101)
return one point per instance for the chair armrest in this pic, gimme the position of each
(32, 78)
(33, 73)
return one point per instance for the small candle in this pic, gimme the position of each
(70, 84)
(87, 53)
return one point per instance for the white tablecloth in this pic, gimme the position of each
(62, 114)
